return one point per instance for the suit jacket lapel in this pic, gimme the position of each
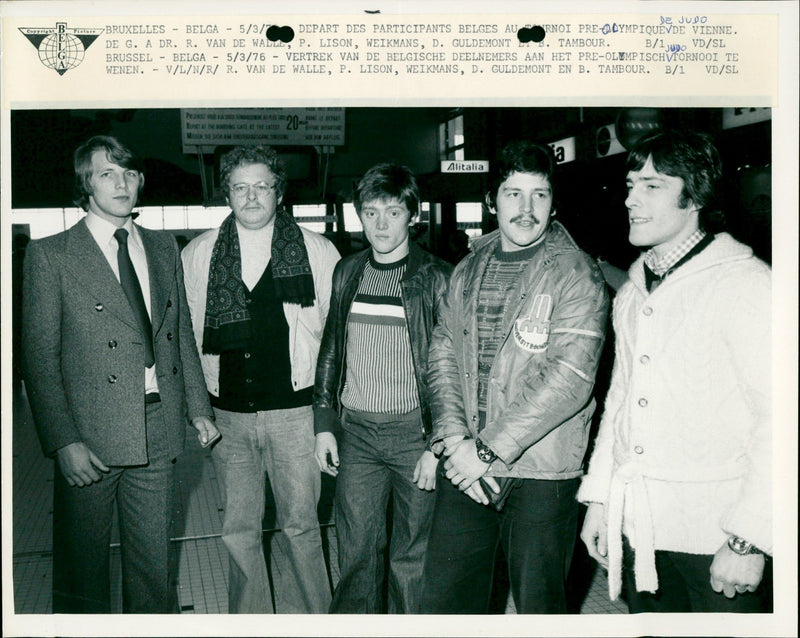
(160, 266)
(88, 264)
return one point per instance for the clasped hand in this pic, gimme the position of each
(464, 468)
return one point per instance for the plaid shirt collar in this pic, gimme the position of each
(661, 266)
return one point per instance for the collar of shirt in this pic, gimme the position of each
(103, 232)
(673, 256)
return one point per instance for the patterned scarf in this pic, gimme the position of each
(227, 322)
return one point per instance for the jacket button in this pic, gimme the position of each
(647, 311)
(467, 375)
(174, 370)
(466, 332)
(112, 378)
(246, 355)
(112, 344)
(98, 307)
(642, 403)
(644, 359)
(638, 449)
(474, 418)
(169, 336)
(169, 303)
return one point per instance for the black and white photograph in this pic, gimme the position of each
(501, 365)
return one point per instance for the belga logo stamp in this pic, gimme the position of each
(61, 48)
(533, 332)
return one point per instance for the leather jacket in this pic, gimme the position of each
(423, 288)
(539, 404)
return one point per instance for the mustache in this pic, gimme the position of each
(525, 217)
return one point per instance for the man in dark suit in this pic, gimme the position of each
(112, 374)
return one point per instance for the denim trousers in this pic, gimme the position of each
(278, 444)
(82, 521)
(536, 529)
(377, 457)
(684, 585)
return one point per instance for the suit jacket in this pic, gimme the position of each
(83, 354)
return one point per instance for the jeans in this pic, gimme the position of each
(537, 530)
(684, 585)
(82, 520)
(279, 443)
(377, 459)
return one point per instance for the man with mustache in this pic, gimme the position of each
(511, 372)
(258, 289)
(678, 487)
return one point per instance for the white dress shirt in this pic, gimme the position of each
(103, 233)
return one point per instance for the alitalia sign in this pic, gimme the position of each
(461, 166)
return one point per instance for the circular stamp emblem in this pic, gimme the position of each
(532, 332)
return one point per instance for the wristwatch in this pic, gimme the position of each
(485, 453)
(742, 547)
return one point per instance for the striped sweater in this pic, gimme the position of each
(380, 367)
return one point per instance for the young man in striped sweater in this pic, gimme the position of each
(372, 381)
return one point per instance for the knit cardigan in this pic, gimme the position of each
(683, 455)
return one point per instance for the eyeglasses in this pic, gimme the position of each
(243, 190)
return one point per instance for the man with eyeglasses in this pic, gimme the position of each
(258, 289)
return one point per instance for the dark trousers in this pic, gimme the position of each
(684, 586)
(536, 529)
(377, 459)
(82, 520)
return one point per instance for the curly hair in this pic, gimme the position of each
(248, 155)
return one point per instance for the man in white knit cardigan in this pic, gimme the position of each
(678, 488)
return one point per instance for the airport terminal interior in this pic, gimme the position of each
(326, 150)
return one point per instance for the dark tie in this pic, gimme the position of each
(133, 291)
(651, 279)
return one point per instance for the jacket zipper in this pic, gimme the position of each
(413, 358)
